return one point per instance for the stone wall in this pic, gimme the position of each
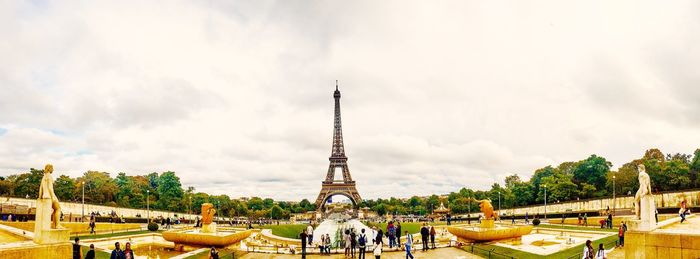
(30, 250)
(79, 228)
(662, 200)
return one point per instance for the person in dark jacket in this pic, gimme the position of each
(424, 233)
(303, 237)
(117, 253)
(77, 251)
(91, 254)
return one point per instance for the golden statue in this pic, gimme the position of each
(487, 209)
(46, 192)
(208, 212)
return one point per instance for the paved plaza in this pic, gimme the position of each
(437, 253)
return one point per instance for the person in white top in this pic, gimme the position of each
(310, 234)
(377, 249)
(588, 250)
(601, 252)
(408, 244)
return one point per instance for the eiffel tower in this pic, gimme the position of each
(338, 160)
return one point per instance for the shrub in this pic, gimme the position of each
(152, 226)
(536, 222)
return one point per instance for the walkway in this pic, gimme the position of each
(437, 253)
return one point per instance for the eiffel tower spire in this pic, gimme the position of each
(338, 150)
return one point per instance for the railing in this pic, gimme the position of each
(488, 253)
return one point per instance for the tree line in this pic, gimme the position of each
(163, 192)
(585, 179)
(588, 178)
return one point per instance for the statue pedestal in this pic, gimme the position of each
(209, 228)
(43, 233)
(647, 221)
(487, 223)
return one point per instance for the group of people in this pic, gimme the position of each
(583, 220)
(590, 253)
(355, 243)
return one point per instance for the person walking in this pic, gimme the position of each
(377, 249)
(432, 236)
(77, 251)
(128, 253)
(303, 238)
(310, 234)
(408, 244)
(424, 233)
(91, 253)
(117, 253)
(585, 219)
(398, 232)
(362, 244)
(601, 252)
(610, 219)
(579, 219)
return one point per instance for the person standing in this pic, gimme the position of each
(329, 244)
(449, 219)
(526, 220)
(303, 238)
(391, 233)
(377, 249)
(117, 253)
(380, 236)
(579, 219)
(601, 252)
(588, 250)
(128, 253)
(408, 244)
(424, 233)
(353, 243)
(310, 234)
(398, 233)
(585, 219)
(213, 254)
(610, 219)
(346, 242)
(362, 244)
(621, 234)
(91, 253)
(432, 236)
(77, 251)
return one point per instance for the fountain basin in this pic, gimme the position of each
(194, 237)
(489, 234)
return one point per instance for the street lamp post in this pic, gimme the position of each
(545, 201)
(499, 205)
(148, 206)
(82, 216)
(613, 194)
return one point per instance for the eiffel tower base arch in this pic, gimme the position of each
(331, 189)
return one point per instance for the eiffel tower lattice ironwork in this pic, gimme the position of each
(338, 160)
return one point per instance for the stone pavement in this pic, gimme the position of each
(436, 253)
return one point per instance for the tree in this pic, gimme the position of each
(592, 171)
(27, 184)
(64, 188)
(695, 168)
(99, 187)
(169, 192)
(276, 212)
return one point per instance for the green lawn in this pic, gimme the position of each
(501, 252)
(287, 230)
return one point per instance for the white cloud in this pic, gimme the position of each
(237, 97)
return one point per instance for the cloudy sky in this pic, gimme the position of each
(236, 96)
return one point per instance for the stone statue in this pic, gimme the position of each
(208, 212)
(644, 190)
(46, 192)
